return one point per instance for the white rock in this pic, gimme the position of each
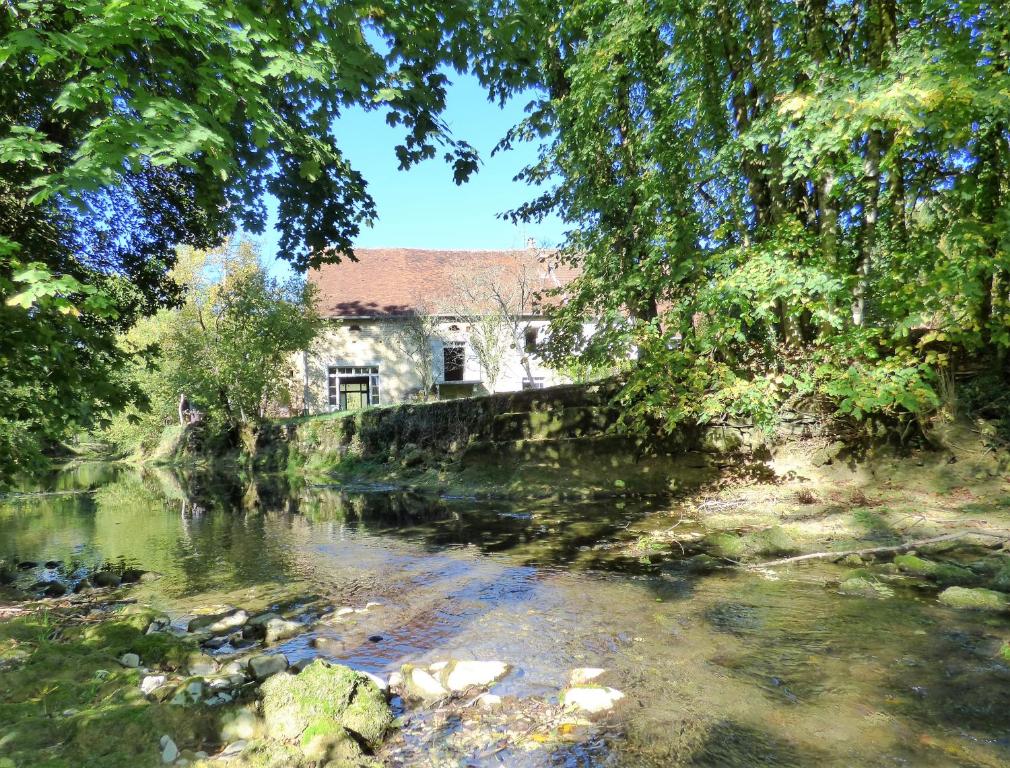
(488, 700)
(395, 680)
(343, 611)
(234, 748)
(438, 666)
(420, 684)
(591, 700)
(381, 684)
(229, 622)
(130, 660)
(149, 683)
(583, 675)
(372, 605)
(261, 667)
(169, 752)
(460, 675)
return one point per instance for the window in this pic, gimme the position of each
(537, 382)
(352, 388)
(531, 339)
(453, 360)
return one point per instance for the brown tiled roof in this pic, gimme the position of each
(388, 282)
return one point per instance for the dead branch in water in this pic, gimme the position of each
(877, 550)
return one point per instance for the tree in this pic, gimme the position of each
(787, 200)
(494, 301)
(227, 349)
(127, 128)
(415, 336)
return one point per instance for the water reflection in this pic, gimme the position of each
(722, 669)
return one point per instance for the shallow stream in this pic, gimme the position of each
(723, 669)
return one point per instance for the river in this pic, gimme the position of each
(727, 668)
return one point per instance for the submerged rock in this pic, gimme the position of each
(49, 588)
(860, 586)
(328, 710)
(976, 599)
(591, 699)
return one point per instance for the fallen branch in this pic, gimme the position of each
(875, 550)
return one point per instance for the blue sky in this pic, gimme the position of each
(422, 207)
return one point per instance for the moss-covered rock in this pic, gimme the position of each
(975, 599)
(772, 542)
(310, 707)
(727, 545)
(945, 574)
(860, 586)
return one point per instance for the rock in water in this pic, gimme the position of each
(282, 629)
(329, 710)
(582, 675)
(861, 587)
(130, 660)
(263, 666)
(977, 599)
(106, 579)
(460, 675)
(227, 623)
(420, 684)
(591, 699)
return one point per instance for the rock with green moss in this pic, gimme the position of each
(860, 586)
(976, 599)
(772, 542)
(945, 574)
(327, 710)
(726, 545)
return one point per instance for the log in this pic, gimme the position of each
(896, 549)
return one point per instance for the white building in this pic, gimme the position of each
(360, 359)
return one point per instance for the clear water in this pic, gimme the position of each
(724, 669)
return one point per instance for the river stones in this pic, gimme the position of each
(152, 682)
(169, 752)
(945, 574)
(263, 666)
(328, 710)
(859, 586)
(460, 675)
(200, 664)
(418, 683)
(591, 699)
(977, 599)
(105, 579)
(279, 629)
(228, 623)
(204, 621)
(129, 660)
(49, 588)
(583, 675)
(241, 723)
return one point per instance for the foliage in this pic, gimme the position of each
(415, 336)
(770, 201)
(129, 127)
(228, 349)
